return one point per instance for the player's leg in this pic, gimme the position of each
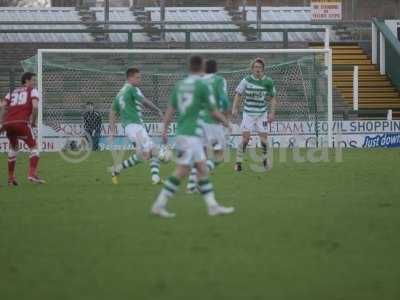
(264, 149)
(133, 160)
(241, 150)
(191, 186)
(147, 150)
(96, 139)
(214, 146)
(171, 186)
(155, 164)
(207, 190)
(33, 157)
(185, 155)
(211, 163)
(192, 181)
(246, 127)
(218, 145)
(217, 159)
(88, 138)
(263, 135)
(12, 155)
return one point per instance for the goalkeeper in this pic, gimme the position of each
(255, 89)
(128, 106)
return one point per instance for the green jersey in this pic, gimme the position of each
(128, 104)
(189, 97)
(256, 91)
(220, 91)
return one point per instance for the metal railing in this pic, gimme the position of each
(317, 23)
(358, 31)
(386, 51)
(188, 32)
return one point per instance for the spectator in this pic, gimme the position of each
(92, 124)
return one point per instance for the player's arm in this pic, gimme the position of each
(169, 114)
(138, 95)
(35, 107)
(219, 116)
(271, 115)
(236, 104)
(211, 105)
(238, 97)
(3, 107)
(34, 117)
(224, 99)
(151, 105)
(273, 103)
(113, 117)
(168, 117)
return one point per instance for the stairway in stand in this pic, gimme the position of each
(376, 91)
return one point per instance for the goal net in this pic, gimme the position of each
(68, 79)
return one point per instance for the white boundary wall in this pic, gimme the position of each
(346, 134)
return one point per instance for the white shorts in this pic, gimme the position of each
(254, 123)
(189, 150)
(214, 136)
(137, 134)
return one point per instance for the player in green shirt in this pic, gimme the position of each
(256, 89)
(127, 105)
(189, 97)
(214, 133)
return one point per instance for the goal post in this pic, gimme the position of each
(67, 78)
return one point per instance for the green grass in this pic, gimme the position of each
(302, 231)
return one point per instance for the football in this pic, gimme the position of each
(165, 154)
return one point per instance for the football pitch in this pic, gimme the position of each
(324, 230)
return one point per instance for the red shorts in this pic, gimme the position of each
(19, 131)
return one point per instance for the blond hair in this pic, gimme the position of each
(257, 60)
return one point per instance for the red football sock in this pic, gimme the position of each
(33, 163)
(11, 167)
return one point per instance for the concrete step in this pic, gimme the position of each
(377, 100)
(347, 51)
(349, 95)
(349, 67)
(339, 47)
(352, 62)
(360, 73)
(349, 56)
(383, 89)
(379, 106)
(363, 84)
(360, 78)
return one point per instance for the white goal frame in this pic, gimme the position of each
(326, 51)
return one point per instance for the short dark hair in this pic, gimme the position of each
(258, 60)
(132, 71)
(211, 66)
(27, 76)
(196, 63)
(89, 103)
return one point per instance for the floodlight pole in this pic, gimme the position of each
(162, 18)
(258, 4)
(106, 13)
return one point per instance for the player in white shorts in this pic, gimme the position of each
(214, 136)
(189, 97)
(255, 89)
(127, 106)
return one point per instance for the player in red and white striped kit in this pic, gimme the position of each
(18, 114)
